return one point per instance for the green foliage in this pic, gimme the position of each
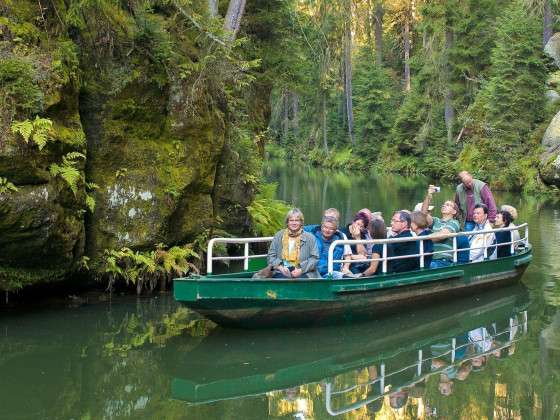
(20, 90)
(267, 214)
(69, 171)
(146, 269)
(499, 117)
(6, 187)
(36, 131)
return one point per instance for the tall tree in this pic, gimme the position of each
(543, 8)
(348, 68)
(379, 12)
(232, 21)
(213, 8)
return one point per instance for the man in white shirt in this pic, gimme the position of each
(483, 241)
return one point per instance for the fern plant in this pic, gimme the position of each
(6, 187)
(68, 170)
(35, 131)
(267, 213)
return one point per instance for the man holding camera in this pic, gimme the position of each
(471, 192)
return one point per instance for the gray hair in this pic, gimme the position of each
(295, 212)
(330, 219)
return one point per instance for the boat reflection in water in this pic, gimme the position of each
(391, 365)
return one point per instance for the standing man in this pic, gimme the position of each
(471, 192)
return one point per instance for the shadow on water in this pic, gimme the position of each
(495, 355)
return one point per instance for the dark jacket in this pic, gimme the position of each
(400, 249)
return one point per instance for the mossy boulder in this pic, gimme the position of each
(549, 168)
(38, 230)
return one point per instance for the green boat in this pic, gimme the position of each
(239, 300)
(232, 364)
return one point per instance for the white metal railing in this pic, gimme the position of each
(210, 258)
(510, 331)
(385, 258)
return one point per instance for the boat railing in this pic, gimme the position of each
(422, 254)
(420, 376)
(210, 258)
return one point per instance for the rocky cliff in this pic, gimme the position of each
(152, 131)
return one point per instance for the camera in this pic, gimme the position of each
(437, 189)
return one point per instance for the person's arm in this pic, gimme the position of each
(488, 199)
(427, 199)
(311, 263)
(357, 235)
(274, 257)
(370, 271)
(441, 235)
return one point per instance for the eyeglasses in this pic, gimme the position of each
(294, 220)
(396, 221)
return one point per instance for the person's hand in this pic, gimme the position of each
(355, 231)
(284, 270)
(431, 189)
(297, 272)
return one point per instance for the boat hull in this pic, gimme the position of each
(239, 301)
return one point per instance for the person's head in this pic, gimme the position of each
(329, 225)
(449, 209)
(466, 178)
(511, 210)
(463, 371)
(418, 207)
(418, 221)
(398, 399)
(480, 213)
(478, 362)
(294, 219)
(503, 218)
(332, 212)
(400, 221)
(368, 213)
(361, 220)
(374, 407)
(377, 229)
(445, 385)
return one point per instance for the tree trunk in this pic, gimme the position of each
(368, 24)
(547, 22)
(295, 114)
(449, 111)
(348, 69)
(379, 32)
(213, 8)
(406, 38)
(285, 116)
(232, 21)
(324, 120)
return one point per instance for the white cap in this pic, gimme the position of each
(418, 207)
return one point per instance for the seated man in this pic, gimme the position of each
(480, 242)
(419, 225)
(400, 226)
(325, 234)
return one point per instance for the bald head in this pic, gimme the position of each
(466, 178)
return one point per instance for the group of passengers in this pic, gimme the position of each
(302, 250)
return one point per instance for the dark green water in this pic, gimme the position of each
(150, 358)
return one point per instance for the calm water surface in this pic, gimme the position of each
(495, 355)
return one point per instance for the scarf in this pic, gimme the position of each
(292, 258)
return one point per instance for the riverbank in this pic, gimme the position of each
(388, 161)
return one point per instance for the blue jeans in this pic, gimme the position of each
(440, 263)
(469, 226)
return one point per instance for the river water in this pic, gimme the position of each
(494, 355)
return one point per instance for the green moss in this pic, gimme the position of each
(19, 86)
(13, 278)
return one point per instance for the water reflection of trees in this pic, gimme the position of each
(409, 385)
